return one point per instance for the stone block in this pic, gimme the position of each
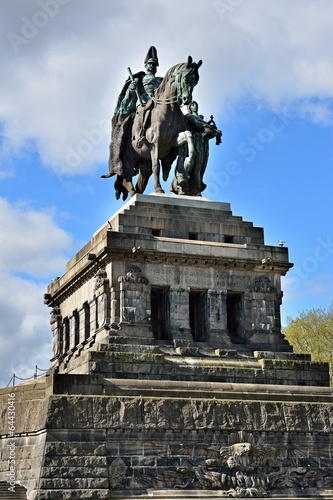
(134, 410)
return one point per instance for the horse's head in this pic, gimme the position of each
(187, 77)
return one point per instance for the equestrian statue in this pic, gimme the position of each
(149, 127)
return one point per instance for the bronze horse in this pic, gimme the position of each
(157, 130)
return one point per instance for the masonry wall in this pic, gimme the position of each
(96, 444)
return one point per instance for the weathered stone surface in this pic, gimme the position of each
(149, 398)
(149, 286)
(106, 443)
(141, 413)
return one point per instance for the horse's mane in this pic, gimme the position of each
(169, 77)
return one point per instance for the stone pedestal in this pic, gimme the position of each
(170, 376)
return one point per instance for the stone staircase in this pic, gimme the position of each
(126, 358)
(169, 221)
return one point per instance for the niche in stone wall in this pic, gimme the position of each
(235, 317)
(66, 334)
(160, 313)
(76, 320)
(86, 309)
(198, 315)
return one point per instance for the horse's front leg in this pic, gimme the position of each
(155, 165)
(186, 137)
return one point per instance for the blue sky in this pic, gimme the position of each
(267, 77)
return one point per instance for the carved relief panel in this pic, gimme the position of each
(134, 296)
(264, 297)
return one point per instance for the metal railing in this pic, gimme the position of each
(39, 372)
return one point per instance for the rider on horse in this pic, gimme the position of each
(146, 134)
(143, 83)
(136, 92)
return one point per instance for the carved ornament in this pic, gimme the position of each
(117, 472)
(133, 275)
(263, 284)
(100, 278)
(243, 468)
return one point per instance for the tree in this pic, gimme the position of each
(312, 332)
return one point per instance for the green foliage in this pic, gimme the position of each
(312, 332)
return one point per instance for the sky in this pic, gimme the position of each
(267, 77)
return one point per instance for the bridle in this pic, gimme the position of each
(168, 100)
(175, 98)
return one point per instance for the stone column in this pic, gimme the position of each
(217, 318)
(115, 310)
(82, 318)
(93, 316)
(180, 315)
(73, 330)
(102, 304)
(57, 332)
(134, 303)
(265, 333)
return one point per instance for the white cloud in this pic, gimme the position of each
(60, 87)
(312, 287)
(303, 295)
(319, 112)
(31, 242)
(25, 333)
(317, 74)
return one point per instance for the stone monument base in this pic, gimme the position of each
(91, 437)
(170, 375)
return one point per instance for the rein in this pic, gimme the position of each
(171, 99)
(168, 100)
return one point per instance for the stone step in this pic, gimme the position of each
(72, 494)
(176, 216)
(146, 224)
(163, 347)
(217, 495)
(282, 346)
(135, 341)
(218, 391)
(210, 236)
(133, 345)
(177, 366)
(199, 349)
(189, 218)
(98, 384)
(176, 207)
